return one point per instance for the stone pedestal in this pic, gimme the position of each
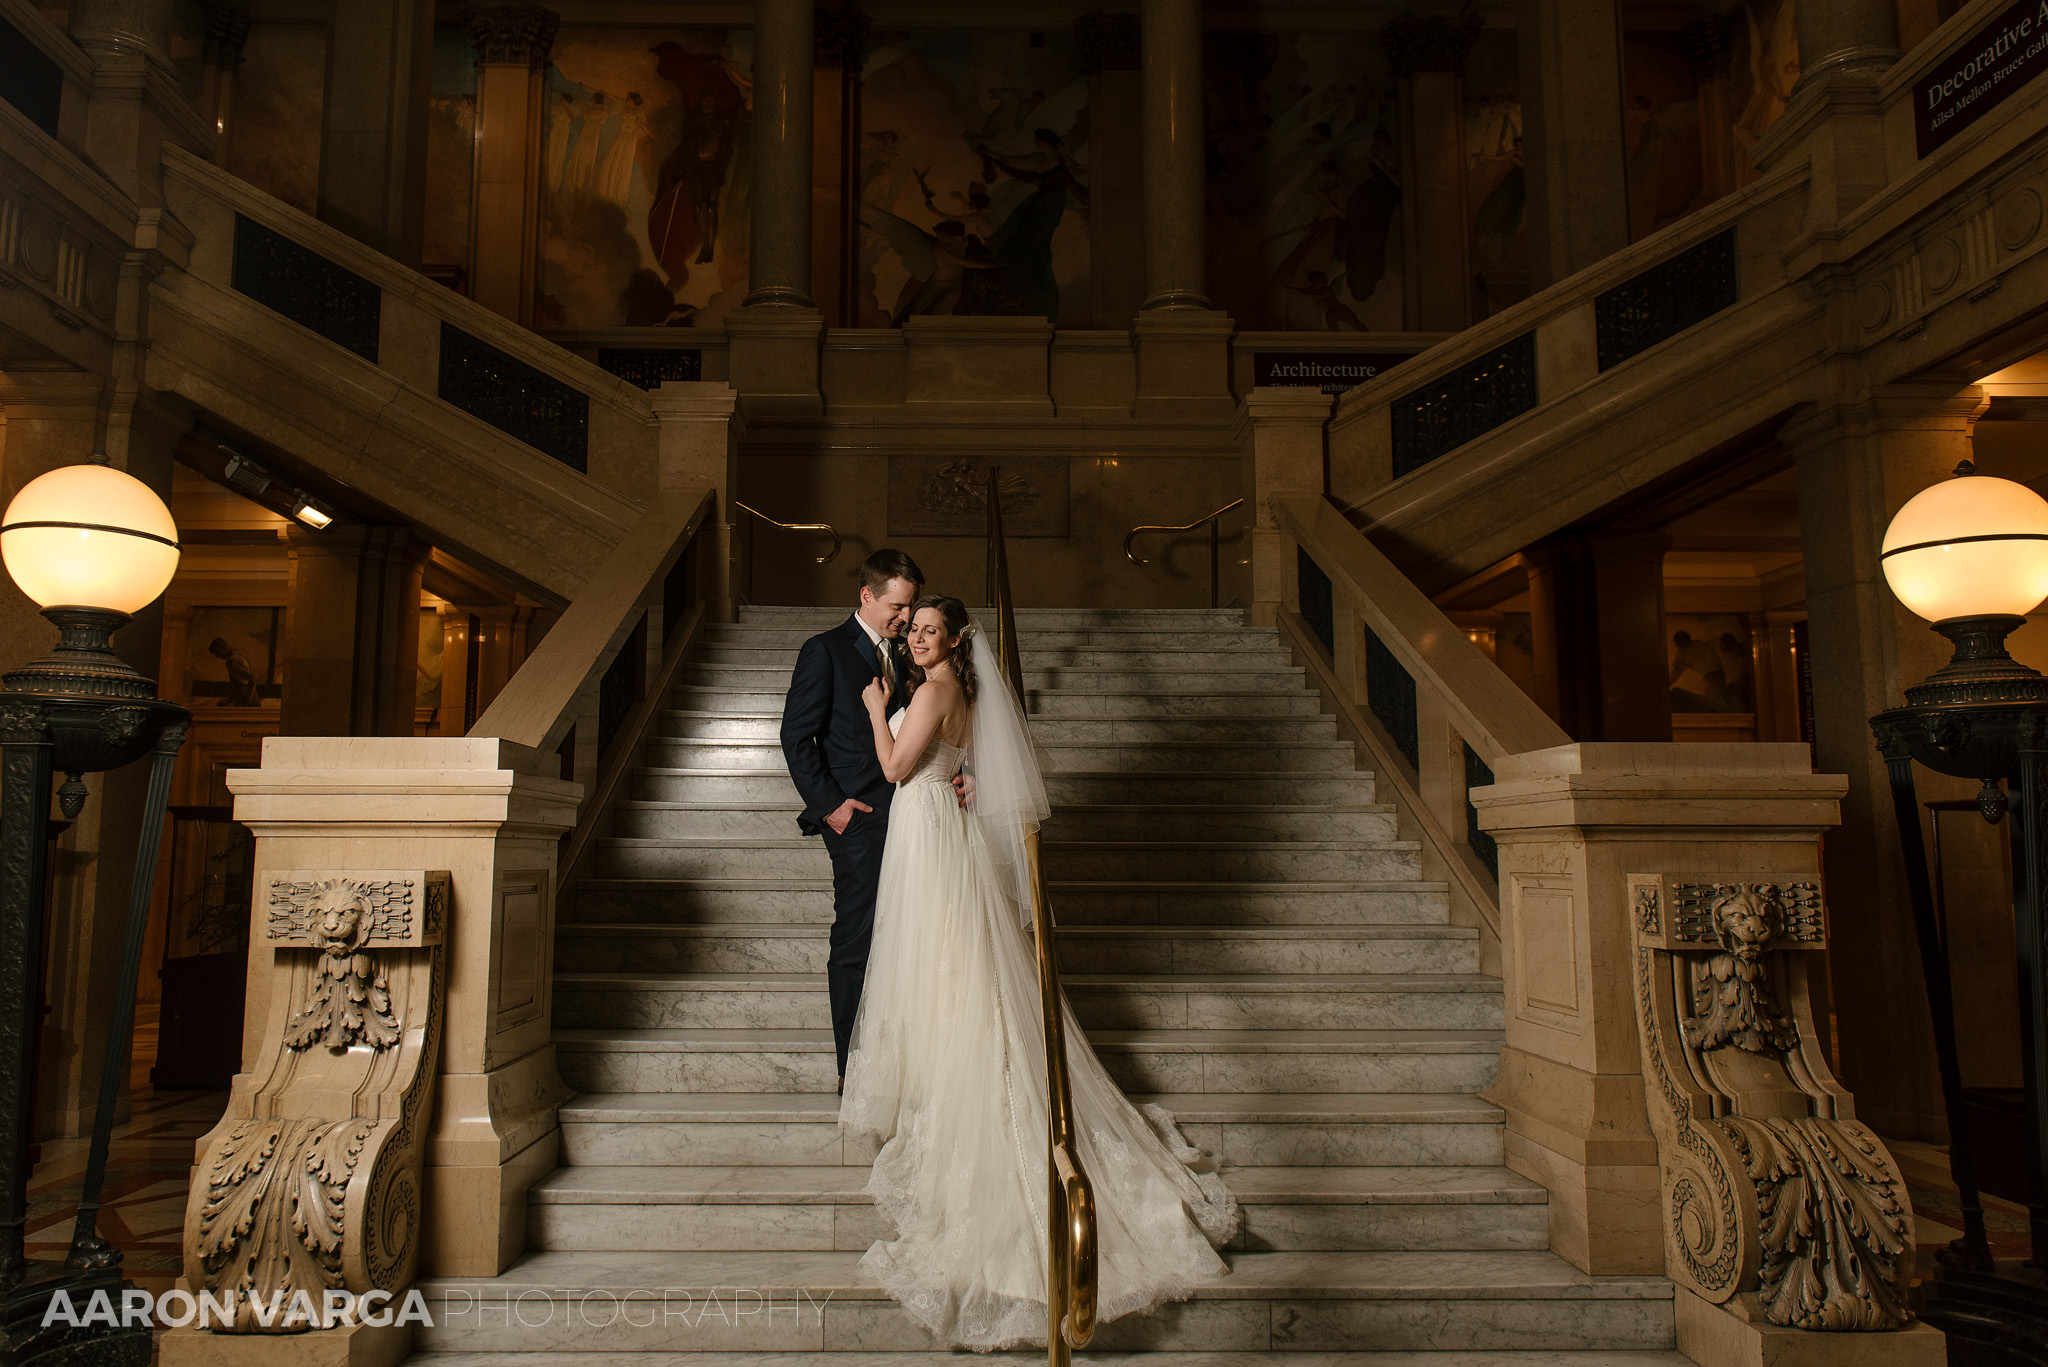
(1572, 823)
(774, 359)
(483, 810)
(1572, 135)
(699, 446)
(1183, 364)
(361, 1345)
(1280, 432)
(1858, 463)
(512, 47)
(991, 368)
(373, 124)
(1715, 1336)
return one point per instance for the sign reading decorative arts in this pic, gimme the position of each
(1333, 372)
(1998, 59)
(939, 495)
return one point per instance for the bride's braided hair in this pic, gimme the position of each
(953, 613)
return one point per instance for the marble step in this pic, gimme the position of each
(635, 819)
(1128, 787)
(1245, 1129)
(733, 947)
(791, 999)
(1259, 674)
(1476, 1357)
(820, 1302)
(768, 636)
(1144, 702)
(1167, 660)
(767, 728)
(1029, 620)
(756, 1207)
(801, 1060)
(1187, 757)
(1134, 860)
(808, 901)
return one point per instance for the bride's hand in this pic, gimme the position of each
(876, 696)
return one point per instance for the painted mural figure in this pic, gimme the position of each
(690, 190)
(615, 170)
(580, 175)
(1022, 245)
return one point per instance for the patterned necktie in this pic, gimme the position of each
(885, 665)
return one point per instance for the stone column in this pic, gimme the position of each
(1596, 606)
(840, 46)
(1174, 257)
(1572, 823)
(1837, 36)
(512, 47)
(1572, 135)
(779, 234)
(1112, 58)
(1858, 463)
(1280, 432)
(351, 633)
(1428, 56)
(373, 124)
(136, 104)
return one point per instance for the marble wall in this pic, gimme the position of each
(279, 92)
(451, 149)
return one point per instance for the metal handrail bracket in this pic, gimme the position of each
(1215, 546)
(827, 558)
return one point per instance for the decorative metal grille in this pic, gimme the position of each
(619, 689)
(1477, 775)
(1390, 693)
(676, 588)
(648, 367)
(1465, 404)
(1665, 300)
(1318, 601)
(515, 398)
(304, 286)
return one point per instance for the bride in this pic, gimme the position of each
(948, 1058)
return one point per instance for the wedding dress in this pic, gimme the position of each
(948, 1067)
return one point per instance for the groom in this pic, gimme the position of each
(830, 745)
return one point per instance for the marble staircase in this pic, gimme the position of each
(1245, 936)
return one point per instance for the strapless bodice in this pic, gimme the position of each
(940, 761)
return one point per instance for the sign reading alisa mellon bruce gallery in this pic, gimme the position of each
(1998, 59)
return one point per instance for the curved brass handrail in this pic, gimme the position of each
(1070, 1301)
(1132, 555)
(825, 527)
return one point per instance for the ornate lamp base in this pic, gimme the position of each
(35, 1331)
(1991, 1320)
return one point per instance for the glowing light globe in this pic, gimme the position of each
(89, 536)
(1972, 546)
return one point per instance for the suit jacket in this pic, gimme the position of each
(826, 735)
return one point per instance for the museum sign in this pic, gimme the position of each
(1997, 60)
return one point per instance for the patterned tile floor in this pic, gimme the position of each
(149, 1164)
(1936, 1214)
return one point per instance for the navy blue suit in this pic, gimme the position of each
(829, 743)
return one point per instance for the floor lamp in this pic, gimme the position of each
(90, 546)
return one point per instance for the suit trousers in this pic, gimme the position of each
(856, 877)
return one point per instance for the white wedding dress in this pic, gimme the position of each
(948, 1067)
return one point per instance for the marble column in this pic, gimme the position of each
(136, 104)
(373, 124)
(779, 234)
(124, 28)
(1174, 256)
(512, 47)
(1112, 58)
(1596, 607)
(1572, 135)
(1837, 36)
(1858, 463)
(351, 632)
(1428, 56)
(840, 46)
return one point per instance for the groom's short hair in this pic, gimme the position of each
(886, 564)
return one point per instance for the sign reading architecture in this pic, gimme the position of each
(1333, 372)
(1998, 59)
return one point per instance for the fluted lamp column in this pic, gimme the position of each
(89, 545)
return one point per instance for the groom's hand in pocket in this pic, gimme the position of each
(963, 784)
(842, 815)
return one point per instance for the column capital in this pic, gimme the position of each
(512, 35)
(1430, 42)
(1886, 408)
(226, 30)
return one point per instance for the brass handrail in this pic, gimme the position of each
(1070, 1281)
(1215, 545)
(825, 527)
